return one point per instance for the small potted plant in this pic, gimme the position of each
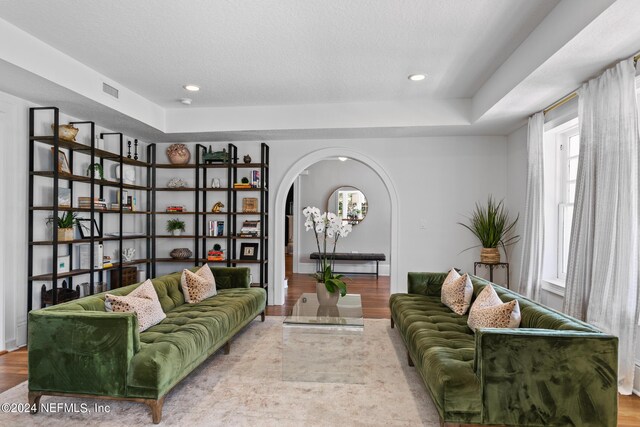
(65, 225)
(491, 225)
(175, 226)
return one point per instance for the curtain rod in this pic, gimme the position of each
(573, 94)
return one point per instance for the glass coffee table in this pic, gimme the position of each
(324, 343)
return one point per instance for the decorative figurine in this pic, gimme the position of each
(129, 149)
(215, 183)
(215, 156)
(217, 207)
(135, 144)
(128, 254)
(177, 183)
(247, 158)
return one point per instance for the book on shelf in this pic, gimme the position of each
(255, 179)
(87, 203)
(241, 185)
(116, 207)
(84, 252)
(250, 228)
(216, 228)
(175, 208)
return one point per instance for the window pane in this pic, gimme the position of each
(566, 236)
(574, 145)
(571, 192)
(573, 169)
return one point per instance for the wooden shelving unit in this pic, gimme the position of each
(97, 187)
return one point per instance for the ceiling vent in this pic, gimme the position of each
(110, 90)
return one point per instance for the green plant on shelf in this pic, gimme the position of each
(67, 220)
(175, 226)
(99, 171)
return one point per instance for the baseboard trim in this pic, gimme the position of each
(636, 379)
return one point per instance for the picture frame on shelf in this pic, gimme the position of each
(249, 204)
(64, 197)
(249, 251)
(63, 162)
(64, 262)
(85, 230)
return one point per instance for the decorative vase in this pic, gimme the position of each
(176, 232)
(324, 296)
(178, 154)
(66, 132)
(65, 234)
(181, 253)
(490, 255)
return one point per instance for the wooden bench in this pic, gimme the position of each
(349, 256)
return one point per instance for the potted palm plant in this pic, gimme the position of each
(491, 225)
(175, 226)
(327, 228)
(65, 225)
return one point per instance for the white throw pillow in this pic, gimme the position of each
(488, 311)
(457, 293)
(199, 285)
(143, 301)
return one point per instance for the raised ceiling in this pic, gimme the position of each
(331, 65)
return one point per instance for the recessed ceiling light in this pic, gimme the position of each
(186, 101)
(417, 77)
(343, 159)
(191, 88)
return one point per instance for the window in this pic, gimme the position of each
(569, 149)
(562, 147)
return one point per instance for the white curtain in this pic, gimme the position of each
(533, 233)
(602, 280)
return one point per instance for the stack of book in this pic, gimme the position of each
(215, 255)
(176, 208)
(216, 228)
(250, 228)
(116, 207)
(85, 203)
(128, 202)
(241, 185)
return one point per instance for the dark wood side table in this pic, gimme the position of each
(491, 267)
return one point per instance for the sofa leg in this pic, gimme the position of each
(263, 316)
(34, 401)
(392, 323)
(156, 409)
(227, 347)
(409, 361)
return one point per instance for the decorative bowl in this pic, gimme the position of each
(181, 253)
(66, 132)
(178, 154)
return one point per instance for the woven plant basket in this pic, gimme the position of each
(490, 255)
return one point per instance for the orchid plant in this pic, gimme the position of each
(328, 228)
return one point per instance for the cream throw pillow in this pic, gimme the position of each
(143, 301)
(488, 311)
(457, 292)
(199, 285)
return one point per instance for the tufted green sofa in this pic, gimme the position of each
(79, 349)
(552, 371)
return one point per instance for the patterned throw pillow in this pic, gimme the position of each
(457, 293)
(488, 311)
(143, 301)
(199, 285)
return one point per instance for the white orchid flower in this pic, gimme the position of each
(308, 225)
(331, 216)
(319, 227)
(330, 232)
(306, 211)
(315, 212)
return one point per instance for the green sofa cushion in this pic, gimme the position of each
(189, 334)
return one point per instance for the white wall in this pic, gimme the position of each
(371, 235)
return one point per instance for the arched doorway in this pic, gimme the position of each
(276, 290)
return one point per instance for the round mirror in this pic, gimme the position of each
(348, 203)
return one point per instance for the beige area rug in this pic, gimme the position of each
(245, 388)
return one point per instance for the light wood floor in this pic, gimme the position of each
(375, 296)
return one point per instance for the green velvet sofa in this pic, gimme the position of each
(552, 371)
(79, 349)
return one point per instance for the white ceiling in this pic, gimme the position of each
(275, 53)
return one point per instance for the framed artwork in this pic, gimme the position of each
(63, 163)
(85, 229)
(250, 204)
(64, 197)
(249, 251)
(63, 264)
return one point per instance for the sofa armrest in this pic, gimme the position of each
(86, 352)
(232, 277)
(547, 377)
(428, 284)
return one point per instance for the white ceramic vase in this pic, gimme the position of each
(324, 296)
